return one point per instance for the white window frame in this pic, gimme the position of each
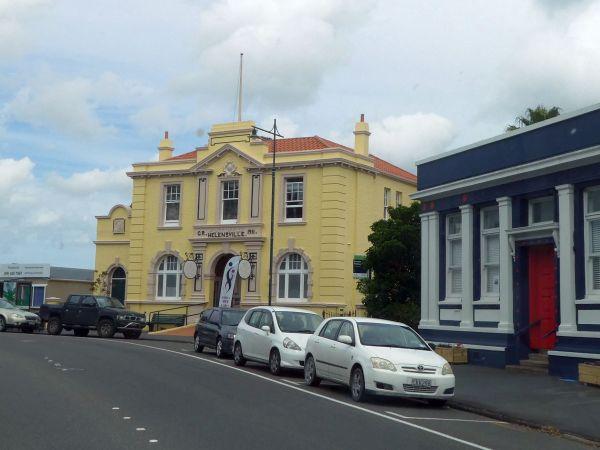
(171, 223)
(304, 273)
(33, 286)
(387, 193)
(485, 233)
(449, 269)
(541, 200)
(398, 198)
(286, 180)
(166, 271)
(223, 182)
(590, 292)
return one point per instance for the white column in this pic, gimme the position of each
(566, 258)
(506, 266)
(466, 213)
(434, 268)
(424, 269)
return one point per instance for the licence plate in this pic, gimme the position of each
(421, 382)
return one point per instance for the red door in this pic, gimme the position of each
(542, 297)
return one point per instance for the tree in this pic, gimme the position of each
(100, 284)
(534, 115)
(394, 260)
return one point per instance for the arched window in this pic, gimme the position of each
(117, 284)
(292, 278)
(168, 278)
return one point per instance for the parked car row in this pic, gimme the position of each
(371, 356)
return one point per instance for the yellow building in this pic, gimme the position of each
(214, 202)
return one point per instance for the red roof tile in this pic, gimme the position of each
(303, 144)
(317, 143)
(387, 167)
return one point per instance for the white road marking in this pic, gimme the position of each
(443, 418)
(126, 418)
(49, 360)
(290, 381)
(186, 350)
(57, 364)
(115, 408)
(153, 441)
(314, 394)
(140, 429)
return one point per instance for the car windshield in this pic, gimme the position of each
(233, 317)
(297, 322)
(389, 335)
(6, 305)
(109, 302)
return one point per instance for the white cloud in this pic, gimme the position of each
(289, 48)
(402, 140)
(14, 36)
(52, 217)
(14, 173)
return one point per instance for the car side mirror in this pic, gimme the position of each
(266, 328)
(432, 345)
(345, 339)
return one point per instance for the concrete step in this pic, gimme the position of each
(527, 369)
(538, 357)
(534, 363)
(186, 330)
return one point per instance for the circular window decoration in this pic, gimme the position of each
(190, 269)
(244, 269)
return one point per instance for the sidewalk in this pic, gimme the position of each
(534, 400)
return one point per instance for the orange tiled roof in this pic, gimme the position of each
(386, 167)
(318, 143)
(303, 144)
(188, 155)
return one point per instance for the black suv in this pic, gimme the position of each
(216, 329)
(85, 312)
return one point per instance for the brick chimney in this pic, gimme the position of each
(361, 137)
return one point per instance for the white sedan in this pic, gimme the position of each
(375, 356)
(274, 335)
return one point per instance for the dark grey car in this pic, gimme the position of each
(216, 329)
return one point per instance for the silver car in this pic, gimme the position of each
(13, 317)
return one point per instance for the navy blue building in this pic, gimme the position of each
(511, 244)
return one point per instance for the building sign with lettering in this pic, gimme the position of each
(24, 271)
(220, 233)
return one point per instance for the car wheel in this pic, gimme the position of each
(54, 326)
(219, 348)
(197, 346)
(2, 324)
(357, 385)
(275, 362)
(81, 332)
(106, 328)
(238, 356)
(439, 402)
(132, 334)
(310, 372)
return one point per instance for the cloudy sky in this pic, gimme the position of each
(87, 88)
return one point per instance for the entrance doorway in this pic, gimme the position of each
(542, 297)
(117, 284)
(219, 269)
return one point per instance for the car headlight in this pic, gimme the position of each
(231, 336)
(18, 316)
(288, 343)
(447, 369)
(383, 364)
(120, 317)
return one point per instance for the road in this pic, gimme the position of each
(65, 392)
